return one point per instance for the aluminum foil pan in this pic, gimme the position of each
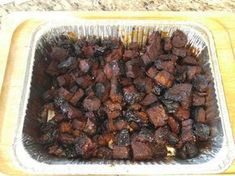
(30, 156)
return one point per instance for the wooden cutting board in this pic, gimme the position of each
(15, 37)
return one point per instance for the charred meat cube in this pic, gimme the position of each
(103, 153)
(189, 150)
(111, 106)
(100, 77)
(200, 83)
(161, 134)
(120, 124)
(133, 68)
(180, 93)
(131, 95)
(105, 139)
(88, 51)
(76, 97)
(164, 78)
(179, 52)
(152, 72)
(174, 125)
(84, 146)
(130, 54)
(187, 134)
(169, 66)
(198, 100)
(90, 127)
(78, 124)
(137, 117)
(157, 115)
(157, 89)
(113, 114)
(149, 99)
(116, 54)
(121, 152)
(193, 71)
(49, 95)
(58, 53)
(179, 39)
(91, 103)
(190, 60)
(66, 138)
(170, 105)
(84, 65)
(201, 131)
(123, 138)
(84, 81)
(62, 92)
(72, 112)
(64, 80)
(182, 114)
(65, 127)
(200, 115)
(145, 135)
(143, 84)
(167, 44)
(141, 150)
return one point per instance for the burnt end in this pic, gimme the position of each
(182, 114)
(152, 72)
(193, 71)
(181, 52)
(169, 66)
(121, 152)
(131, 95)
(189, 60)
(62, 92)
(179, 39)
(58, 53)
(201, 131)
(164, 78)
(141, 150)
(90, 127)
(84, 81)
(66, 139)
(91, 103)
(198, 100)
(200, 83)
(200, 115)
(76, 97)
(189, 150)
(133, 68)
(103, 153)
(174, 125)
(115, 91)
(149, 99)
(157, 115)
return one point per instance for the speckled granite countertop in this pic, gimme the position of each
(171, 5)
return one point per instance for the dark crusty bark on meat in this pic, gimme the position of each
(108, 101)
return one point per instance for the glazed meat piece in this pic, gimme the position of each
(179, 39)
(131, 95)
(105, 100)
(157, 115)
(121, 152)
(149, 99)
(84, 146)
(76, 97)
(164, 78)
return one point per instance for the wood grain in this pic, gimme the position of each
(17, 31)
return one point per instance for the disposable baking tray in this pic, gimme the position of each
(213, 158)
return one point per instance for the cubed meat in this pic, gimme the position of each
(130, 54)
(88, 51)
(200, 83)
(78, 124)
(121, 152)
(143, 84)
(91, 103)
(116, 54)
(145, 135)
(131, 95)
(76, 97)
(103, 153)
(141, 150)
(168, 57)
(135, 107)
(84, 146)
(49, 95)
(167, 44)
(179, 39)
(152, 72)
(189, 150)
(198, 100)
(200, 115)
(84, 81)
(149, 99)
(64, 80)
(62, 92)
(193, 71)
(84, 65)
(164, 78)
(133, 68)
(174, 125)
(105, 139)
(100, 77)
(157, 115)
(161, 134)
(66, 138)
(181, 52)
(180, 93)
(65, 127)
(170, 105)
(113, 114)
(182, 114)
(190, 60)
(201, 131)
(169, 66)
(157, 89)
(123, 138)
(120, 124)
(73, 112)
(58, 53)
